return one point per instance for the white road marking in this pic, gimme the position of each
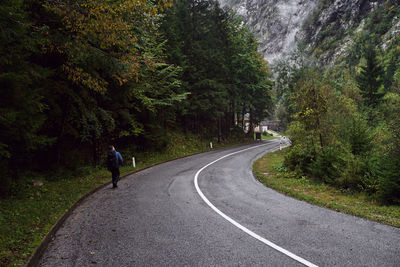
(241, 227)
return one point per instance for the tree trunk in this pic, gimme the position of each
(251, 129)
(219, 129)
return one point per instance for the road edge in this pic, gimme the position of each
(36, 255)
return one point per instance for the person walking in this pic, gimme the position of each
(114, 160)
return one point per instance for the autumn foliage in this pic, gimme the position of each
(78, 75)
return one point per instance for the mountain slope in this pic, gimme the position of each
(330, 30)
(276, 23)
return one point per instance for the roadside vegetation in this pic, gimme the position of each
(352, 33)
(27, 216)
(344, 119)
(76, 76)
(160, 79)
(345, 127)
(157, 79)
(271, 171)
(265, 136)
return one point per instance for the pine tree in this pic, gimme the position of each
(370, 78)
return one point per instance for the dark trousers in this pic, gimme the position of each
(115, 176)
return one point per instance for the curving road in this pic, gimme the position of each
(160, 217)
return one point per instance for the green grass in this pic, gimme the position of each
(29, 215)
(270, 171)
(267, 137)
(25, 219)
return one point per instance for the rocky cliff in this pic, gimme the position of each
(328, 28)
(277, 23)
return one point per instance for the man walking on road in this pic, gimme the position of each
(114, 160)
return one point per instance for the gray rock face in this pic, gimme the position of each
(335, 19)
(281, 24)
(277, 23)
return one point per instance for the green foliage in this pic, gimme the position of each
(22, 105)
(28, 215)
(358, 135)
(328, 164)
(349, 30)
(302, 152)
(76, 76)
(299, 158)
(389, 180)
(351, 175)
(335, 138)
(389, 184)
(269, 170)
(222, 70)
(370, 78)
(343, 118)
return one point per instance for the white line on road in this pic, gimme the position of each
(241, 227)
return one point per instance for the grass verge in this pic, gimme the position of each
(29, 215)
(270, 172)
(267, 137)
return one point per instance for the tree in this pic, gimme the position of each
(77, 75)
(370, 78)
(22, 82)
(389, 180)
(311, 103)
(221, 67)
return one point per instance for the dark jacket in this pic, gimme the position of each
(112, 161)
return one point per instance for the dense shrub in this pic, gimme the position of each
(351, 174)
(389, 180)
(340, 140)
(328, 165)
(389, 183)
(299, 158)
(357, 134)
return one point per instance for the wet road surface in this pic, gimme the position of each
(156, 217)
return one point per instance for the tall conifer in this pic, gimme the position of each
(370, 78)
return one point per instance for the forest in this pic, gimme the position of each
(344, 118)
(79, 75)
(76, 76)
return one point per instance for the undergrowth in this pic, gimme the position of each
(271, 172)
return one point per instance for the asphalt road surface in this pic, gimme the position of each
(161, 217)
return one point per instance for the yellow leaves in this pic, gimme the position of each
(111, 24)
(131, 70)
(120, 80)
(306, 113)
(111, 27)
(166, 3)
(98, 20)
(80, 77)
(52, 48)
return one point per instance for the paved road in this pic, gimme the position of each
(157, 218)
